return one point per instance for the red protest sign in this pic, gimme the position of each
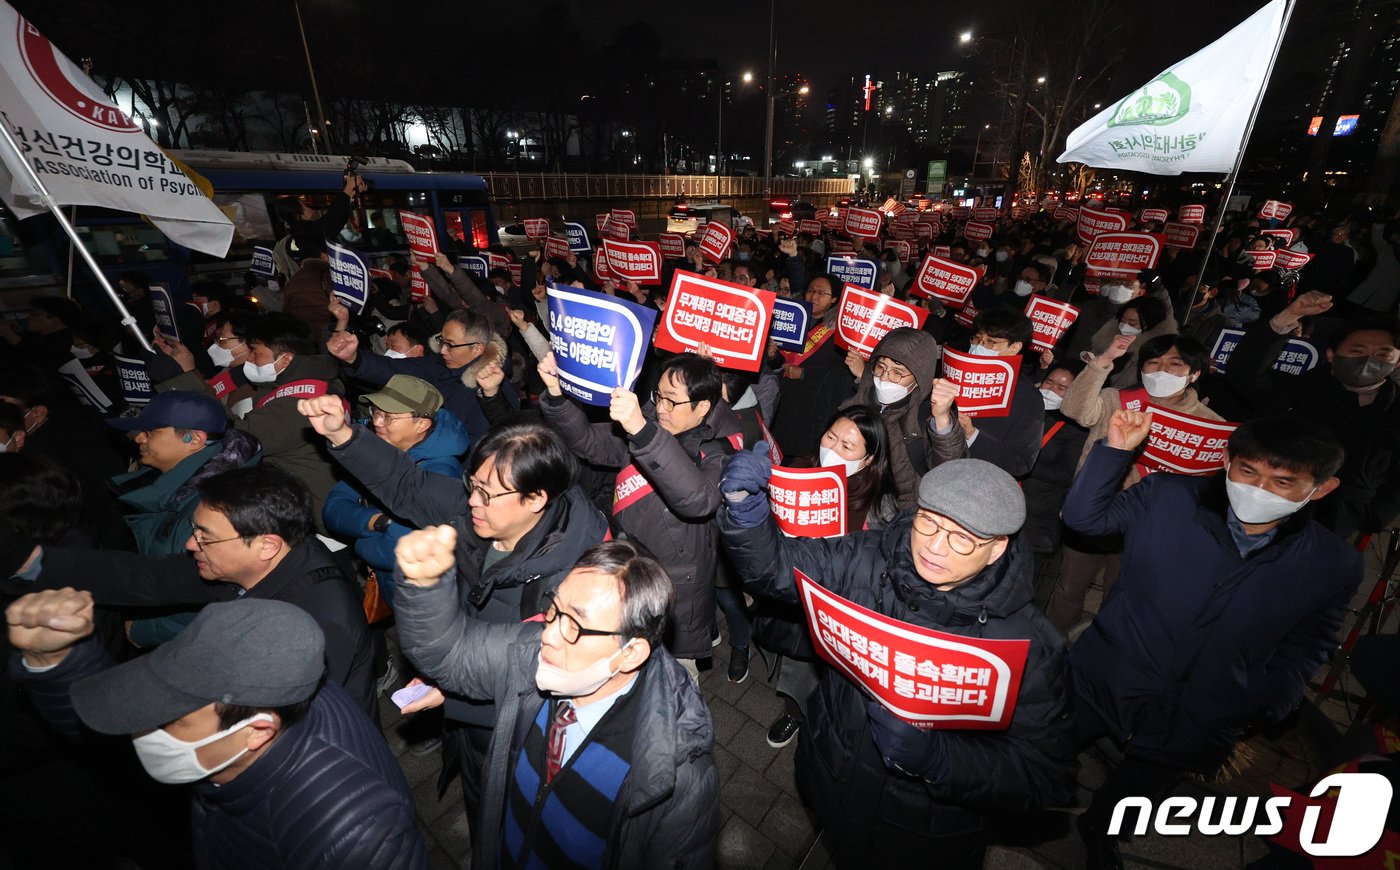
(1191, 214)
(864, 318)
(1182, 235)
(556, 248)
(900, 248)
(985, 213)
(672, 245)
(985, 383)
(1289, 236)
(1049, 321)
(634, 261)
(977, 231)
(928, 217)
(863, 222)
(601, 220)
(842, 246)
(928, 678)
(944, 251)
(624, 216)
(536, 228)
(809, 502)
(1274, 210)
(1182, 444)
(924, 231)
(1070, 215)
(422, 237)
(600, 266)
(1021, 212)
(515, 270)
(716, 241)
(787, 228)
(833, 222)
(1261, 260)
(811, 228)
(961, 213)
(965, 316)
(1122, 254)
(1291, 260)
(732, 319)
(418, 288)
(1153, 214)
(616, 230)
(1092, 221)
(497, 261)
(905, 232)
(945, 280)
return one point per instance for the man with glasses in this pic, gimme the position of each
(602, 754)
(881, 789)
(1012, 443)
(815, 380)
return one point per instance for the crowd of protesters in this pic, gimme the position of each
(209, 576)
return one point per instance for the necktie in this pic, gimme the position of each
(563, 717)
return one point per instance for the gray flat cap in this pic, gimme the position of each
(976, 495)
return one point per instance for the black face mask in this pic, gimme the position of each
(1360, 372)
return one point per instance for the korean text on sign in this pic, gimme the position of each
(599, 342)
(731, 318)
(809, 502)
(1183, 444)
(863, 318)
(1049, 321)
(985, 384)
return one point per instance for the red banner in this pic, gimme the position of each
(809, 502)
(1122, 254)
(600, 266)
(863, 318)
(716, 241)
(422, 237)
(985, 383)
(1291, 260)
(905, 232)
(418, 287)
(1070, 215)
(1191, 214)
(732, 319)
(811, 228)
(556, 248)
(1289, 236)
(863, 223)
(1182, 444)
(633, 261)
(601, 220)
(976, 231)
(497, 261)
(925, 231)
(1182, 235)
(965, 316)
(536, 228)
(616, 230)
(1274, 210)
(960, 213)
(1049, 321)
(672, 245)
(786, 228)
(945, 280)
(928, 678)
(944, 251)
(901, 249)
(1154, 214)
(833, 222)
(624, 216)
(1021, 212)
(1261, 260)
(515, 270)
(985, 214)
(1092, 222)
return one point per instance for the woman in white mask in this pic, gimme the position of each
(1167, 370)
(1141, 319)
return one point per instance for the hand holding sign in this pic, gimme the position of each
(626, 410)
(176, 351)
(917, 752)
(549, 373)
(1128, 429)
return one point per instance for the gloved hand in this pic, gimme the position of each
(905, 749)
(747, 472)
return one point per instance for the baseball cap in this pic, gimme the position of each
(405, 394)
(180, 409)
(976, 495)
(251, 652)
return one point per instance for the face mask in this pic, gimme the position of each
(219, 355)
(743, 256)
(172, 761)
(395, 354)
(1360, 372)
(1160, 385)
(1052, 399)
(1254, 504)
(1022, 288)
(575, 684)
(887, 393)
(983, 252)
(831, 459)
(1118, 293)
(81, 352)
(206, 308)
(273, 285)
(1003, 256)
(260, 374)
(981, 350)
(1128, 329)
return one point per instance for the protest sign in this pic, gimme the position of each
(946, 281)
(842, 246)
(1069, 215)
(961, 213)
(809, 227)
(985, 383)
(925, 231)
(1122, 255)
(1289, 236)
(985, 214)
(965, 316)
(624, 216)
(599, 342)
(1261, 260)
(841, 212)
(418, 287)
(134, 380)
(601, 220)
(349, 277)
(577, 234)
(849, 270)
(944, 251)
(1273, 210)
(1182, 235)
(516, 270)
(976, 231)
(263, 265)
(905, 232)
(716, 241)
(556, 248)
(832, 222)
(164, 307)
(672, 245)
(930, 679)
(1149, 215)
(863, 223)
(600, 266)
(901, 249)
(497, 261)
(1092, 221)
(786, 228)
(1291, 260)
(790, 322)
(1183, 444)
(1049, 321)
(634, 261)
(421, 234)
(616, 230)
(84, 388)
(536, 228)
(809, 502)
(863, 318)
(1191, 214)
(1298, 355)
(731, 318)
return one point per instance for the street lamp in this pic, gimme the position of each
(748, 77)
(965, 37)
(803, 90)
(1040, 81)
(311, 70)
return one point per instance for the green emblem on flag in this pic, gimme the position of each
(1164, 100)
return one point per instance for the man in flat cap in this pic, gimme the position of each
(882, 789)
(287, 771)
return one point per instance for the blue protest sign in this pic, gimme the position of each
(1297, 356)
(164, 307)
(349, 277)
(262, 264)
(790, 319)
(849, 270)
(135, 381)
(599, 342)
(476, 266)
(577, 234)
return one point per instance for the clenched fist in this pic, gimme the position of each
(1128, 429)
(44, 626)
(327, 416)
(344, 346)
(626, 410)
(425, 556)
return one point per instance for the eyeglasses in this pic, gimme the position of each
(569, 628)
(988, 342)
(201, 543)
(959, 542)
(378, 416)
(667, 405)
(453, 345)
(887, 372)
(820, 293)
(230, 338)
(474, 488)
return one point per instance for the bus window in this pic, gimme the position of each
(20, 251)
(467, 227)
(248, 212)
(120, 243)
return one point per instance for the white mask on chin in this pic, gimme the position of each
(576, 684)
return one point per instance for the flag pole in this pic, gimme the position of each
(1239, 159)
(47, 200)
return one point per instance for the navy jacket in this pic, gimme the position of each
(1195, 643)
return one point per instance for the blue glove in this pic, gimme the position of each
(747, 472)
(905, 749)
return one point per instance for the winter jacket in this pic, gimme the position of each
(235, 392)
(667, 812)
(1012, 443)
(807, 401)
(1194, 643)
(306, 294)
(1045, 487)
(1125, 368)
(666, 497)
(326, 795)
(458, 290)
(839, 769)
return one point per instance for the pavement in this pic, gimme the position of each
(765, 827)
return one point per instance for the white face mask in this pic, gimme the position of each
(260, 374)
(173, 761)
(81, 352)
(831, 459)
(576, 684)
(1052, 399)
(395, 354)
(220, 356)
(1022, 288)
(1118, 293)
(1128, 329)
(1254, 504)
(1003, 256)
(1160, 385)
(983, 252)
(981, 350)
(887, 393)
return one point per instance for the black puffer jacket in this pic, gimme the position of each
(840, 771)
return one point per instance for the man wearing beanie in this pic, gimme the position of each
(883, 790)
(287, 772)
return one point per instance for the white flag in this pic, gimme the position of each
(1192, 117)
(86, 150)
